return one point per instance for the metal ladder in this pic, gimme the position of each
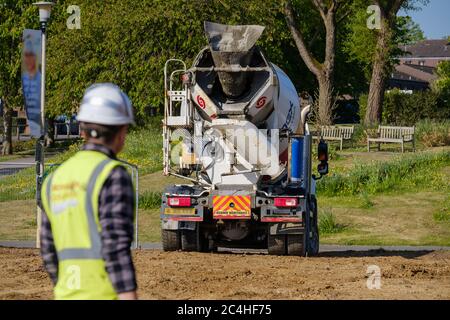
(172, 120)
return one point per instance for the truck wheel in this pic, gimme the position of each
(296, 245)
(170, 240)
(313, 243)
(190, 240)
(276, 244)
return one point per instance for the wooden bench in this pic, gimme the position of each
(388, 134)
(336, 133)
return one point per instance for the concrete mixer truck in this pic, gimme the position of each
(234, 130)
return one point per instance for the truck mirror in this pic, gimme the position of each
(322, 168)
(322, 155)
(322, 151)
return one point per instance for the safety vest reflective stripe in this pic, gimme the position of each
(94, 252)
(78, 253)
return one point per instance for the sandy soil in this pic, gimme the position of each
(176, 275)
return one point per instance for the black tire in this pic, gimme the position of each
(276, 244)
(313, 243)
(190, 240)
(296, 245)
(171, 240)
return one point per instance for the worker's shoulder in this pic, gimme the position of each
(119, 171)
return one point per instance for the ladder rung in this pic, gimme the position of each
(176, 93)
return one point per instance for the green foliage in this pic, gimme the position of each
(143, 147)
(361, 45)
(128, 42)
(406, 109)
(366, 202)
(405, 172)
(20, 146)
(363, 100)
(359, 135)
(433, 133)
(19, 186)
(150, 200)
(361, 41)
(327, 222)
(442, 83)
(444, 213)
(409, 32)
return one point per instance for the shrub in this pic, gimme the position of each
(433, 133)
(327, 222)
(366, 202)
(20, 146)
(359, 136)
(363, 106)
(150, 200)
(407, 109)
(411, 171)
(143, 147)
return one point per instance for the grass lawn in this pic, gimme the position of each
(18, 220)
(380, 198)
(9, 157)
(393, 219)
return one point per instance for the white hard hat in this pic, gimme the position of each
(105, 103)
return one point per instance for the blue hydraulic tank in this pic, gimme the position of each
(296, 159)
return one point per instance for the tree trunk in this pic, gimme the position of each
(326, 78)
(376, 95)
(324, 114)
(7, 125)
(381, 66)
(324, 72)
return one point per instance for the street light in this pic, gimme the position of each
(45, 9)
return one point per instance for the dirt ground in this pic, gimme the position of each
(177, 275)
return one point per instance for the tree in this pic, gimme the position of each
(377, 50)
(324, 72)
(15, 16)
(128, 42)
(408, 31)
(385, 45)
(442, 84)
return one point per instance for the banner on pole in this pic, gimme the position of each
(31, 79)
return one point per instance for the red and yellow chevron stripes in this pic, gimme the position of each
(231, 207)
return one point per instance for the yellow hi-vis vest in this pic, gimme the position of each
(70, 199)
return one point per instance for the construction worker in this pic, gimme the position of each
(88, 204)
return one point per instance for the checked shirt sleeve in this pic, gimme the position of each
(116, 215)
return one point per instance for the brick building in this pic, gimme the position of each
(416, 68)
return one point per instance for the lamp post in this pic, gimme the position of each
(44, 14)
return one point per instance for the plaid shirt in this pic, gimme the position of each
(116, 214)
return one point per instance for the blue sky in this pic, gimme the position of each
(434, 19)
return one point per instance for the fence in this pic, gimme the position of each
(18, 208)
(18, 201)
(62, 131)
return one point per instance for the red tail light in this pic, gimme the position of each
(285, 202)
(179, 202)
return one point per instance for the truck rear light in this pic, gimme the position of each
(285, 202)
(179, 202)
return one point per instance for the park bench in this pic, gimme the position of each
(336, 133)
(389, 134)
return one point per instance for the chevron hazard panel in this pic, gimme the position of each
(232, 207)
